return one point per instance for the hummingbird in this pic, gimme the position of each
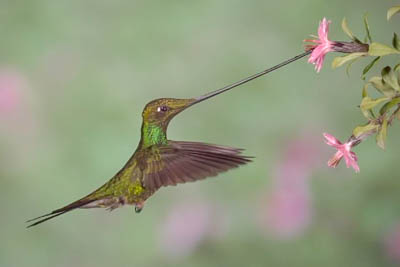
(159, 161)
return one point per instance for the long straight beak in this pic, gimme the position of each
(248, 79)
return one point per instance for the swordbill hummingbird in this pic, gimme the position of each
(159, 161)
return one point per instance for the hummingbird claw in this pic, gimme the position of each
(138, 207)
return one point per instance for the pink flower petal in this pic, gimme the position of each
(334, 161)
(324, 29)
(321, 46)
(331, 140)
(351, 160)
(343, 150)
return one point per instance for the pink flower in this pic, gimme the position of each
(392, 243)
(344, 150)
(321, 45)
(11, 85)
(189, 225)
(286, 210)
(285, 213)
(18, 120)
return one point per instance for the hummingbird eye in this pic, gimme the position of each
(162, 109)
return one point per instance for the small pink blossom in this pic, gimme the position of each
(344, 150)
(321, 46)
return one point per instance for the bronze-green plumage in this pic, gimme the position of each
(159, 162)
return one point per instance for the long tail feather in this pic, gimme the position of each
(58, 212)
(45, 219)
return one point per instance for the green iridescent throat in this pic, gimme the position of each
(153, 135)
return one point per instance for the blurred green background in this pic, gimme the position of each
(75, 77)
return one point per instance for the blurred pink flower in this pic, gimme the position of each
(10, 92)
(18, 125)
(188, 225)
(392, 244)
(286, 211)
(344, 150)
(322, 45)
(15, 106)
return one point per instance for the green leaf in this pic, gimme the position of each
(364, 90)
(366, 25)
(369, 66)
(369, 103)
(367, 113)
(381, 136)
(392, 11)
(381, 86)
(365, 130)
(390, 78)
(347, 30)
(378, 49)
(348, 67)
(395, 41)
(389, 105)
(396, 68)
(339, 61)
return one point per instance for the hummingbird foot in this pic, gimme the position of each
(139, 207)
(113, 203)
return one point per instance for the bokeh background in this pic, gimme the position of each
(74, 77)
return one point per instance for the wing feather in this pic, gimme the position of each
(181, 162)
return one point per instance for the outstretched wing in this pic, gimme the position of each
(181, 162)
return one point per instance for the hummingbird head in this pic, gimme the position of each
(161, 111)
(156, 116)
